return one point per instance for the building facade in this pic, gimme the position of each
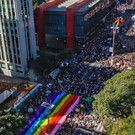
(17, 36)
(58, 24)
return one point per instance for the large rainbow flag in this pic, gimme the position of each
(64, 103)
(118, 21)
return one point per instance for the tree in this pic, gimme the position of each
(133, 69)
(115, 104)
(38, 2)
(125, 126)
(65, 54)
(118, 96)
(45, 61)
(10, 121)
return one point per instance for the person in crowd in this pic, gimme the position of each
(86, 81)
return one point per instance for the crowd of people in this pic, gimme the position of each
(120, 62)
(33, 104)
(86, 81)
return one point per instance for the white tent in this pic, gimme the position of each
(54, 73)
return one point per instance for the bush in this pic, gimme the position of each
(44, 62)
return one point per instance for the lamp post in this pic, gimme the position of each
(114, 33)
(49, 107)
(113, 44)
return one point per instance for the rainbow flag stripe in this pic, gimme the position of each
(64, 103)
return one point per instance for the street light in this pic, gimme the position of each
(112, 48)
(114, 32)
(49, 107)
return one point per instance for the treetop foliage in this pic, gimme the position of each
(115, 104)
(125, 126)
(10, 121)
(118, 96)
(38, 2)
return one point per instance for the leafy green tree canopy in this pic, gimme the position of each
(65, 54)
(133, 69)
(115, 104)
(118, 96)
(38, 2)
(10, 121)
(122, 126)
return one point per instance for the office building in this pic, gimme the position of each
(17, 36)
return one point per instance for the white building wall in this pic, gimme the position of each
(32, 31)
(22, 48)
(21, 35)
(2, 31)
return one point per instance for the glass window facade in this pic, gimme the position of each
(15, 36)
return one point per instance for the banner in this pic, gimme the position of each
(63, 103)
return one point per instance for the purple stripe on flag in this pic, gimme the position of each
(38, 113)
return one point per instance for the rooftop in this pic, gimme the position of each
(63, 5)
(67, 3)
(88, 5)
